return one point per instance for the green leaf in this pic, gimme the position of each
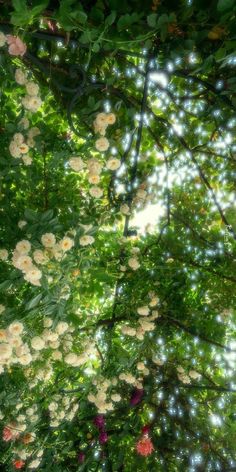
(30, 215)
(34, 302)
(152, 20)
(223, 5)
(85, 38)
(19, 5)
(110, 19)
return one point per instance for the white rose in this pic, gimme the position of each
(5, 351)
(3, 254)
(3, 39)
(66, 244)
(143, 310)
(86, 240)
(27, 160)
(133, 263)
(113, 163)
(32, 88)
(21, 224)
(76, 163)
(37, 343)
(62, 327)
(102, 144)
(23, 247)
(96, 192)
(71, 358)
(16, 328)
(20, 77)
(48, 240)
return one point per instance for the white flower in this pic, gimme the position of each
(23, 247)
(94, 166)
(101, 119)
(18, 138)
(86, 240)
(94, 179)
(14, 150)
(16, 328)
(31, 103)
(133, 263)
(48, 240)
(141, 194)
(71, 358)
(141, 366)
(124, 209)
(115, 397)
(3, 254)
(3, 39)
(2, 308)
(24, 123)
(27, 160)
(34, 464)
(23, 148)
(24, 263)
(154, 301)
(66, 244)
(20, 77)
(62, 327)
(35, 131)
(96, 192)
(37, 343)
(47, 322)
(5, 351)
(110, 118)
(39, 257)
(194, 375)
(22, 223)
(143, 310)
(76, 163)
(102, 144)
(32, 88)
(56, 355)
(113, 163)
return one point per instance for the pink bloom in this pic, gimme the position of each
(146, 429)
(81, 457)
(136, 396)
(103, 437)
(144, 446)
(99, 421)
(7, 434)
(18, 464)
(16, 46)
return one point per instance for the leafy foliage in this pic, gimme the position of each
(111, 314)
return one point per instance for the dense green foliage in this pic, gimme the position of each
(117, 252)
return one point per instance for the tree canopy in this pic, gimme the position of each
(117, 235)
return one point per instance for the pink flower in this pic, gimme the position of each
(16, 46)
(144, 446)
(146, 429)
(18, 464)
(7, 434)
(103, 437)
(81, 457)
(99, 421)
(136, 396)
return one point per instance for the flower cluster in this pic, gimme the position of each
(51, 249)
(104, 398)
(62, 408)
(185, 377)
(145, 320)
(16, 47)
(93, 165)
